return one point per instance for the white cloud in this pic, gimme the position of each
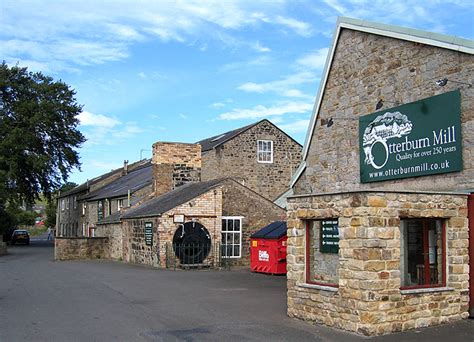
(98, 120)
(313, 60)
(298, 126)
(283, 86)
(128, 130)
(101, 129)
(182, 116)
(218, 105)
(77, 33)
(261, 111)
(300, 27)
(259, 61)
(260, 48)
(142, 75)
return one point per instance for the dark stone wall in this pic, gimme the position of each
(237, 158)
(257, 212)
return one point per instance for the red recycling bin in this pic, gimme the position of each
(268, 249)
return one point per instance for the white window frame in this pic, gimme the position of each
(259, 151)
(63, 204)
(120, 203)
(84, 207)
(235, 218)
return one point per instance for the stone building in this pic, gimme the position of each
(130, 188)
(378, 226)
(260, 156)
(72, 215)
(228, 210)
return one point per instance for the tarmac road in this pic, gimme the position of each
(45, 300)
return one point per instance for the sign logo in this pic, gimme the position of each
(415, 139)
(263, 256)
(383, 128)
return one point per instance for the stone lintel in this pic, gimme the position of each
(318, 287)
(426, 290)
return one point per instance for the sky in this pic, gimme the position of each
(182, 71)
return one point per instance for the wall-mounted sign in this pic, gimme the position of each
(149, 233)
(415, 139)
(329, 236)
(178, 218)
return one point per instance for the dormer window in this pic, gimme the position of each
(265, 151)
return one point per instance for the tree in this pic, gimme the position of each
(38, 134)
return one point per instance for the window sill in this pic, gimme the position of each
(318, 287)
(426, 290)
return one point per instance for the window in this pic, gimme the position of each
(100, 210)
(67, 203)
(120, 204)
(74, 203)
(322, 252)
(84, 206)
(63, 204)
(231, 237)
(265, 151)
(423, 253)
(108, 207)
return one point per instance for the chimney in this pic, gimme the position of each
(125, 168)
(175, 164)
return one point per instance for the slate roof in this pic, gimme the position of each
(85, 186)
(274, 230)
(213, 142)
(171, 199)
(217, 140)
(133, 181)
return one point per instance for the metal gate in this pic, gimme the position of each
(196, 256)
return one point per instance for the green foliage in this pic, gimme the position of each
(38, 134)
(24, 217)
(7, 221)
(51, 213)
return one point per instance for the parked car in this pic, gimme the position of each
(20, 235)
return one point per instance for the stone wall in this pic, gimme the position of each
(175, 164)
(112, 231)
(71, 220)
(134, 248)
(237, 158)
(70, 248)
(257, 212)
(369, 300)
(367, 68)
(205, 209)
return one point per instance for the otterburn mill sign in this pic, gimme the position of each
(414, 139)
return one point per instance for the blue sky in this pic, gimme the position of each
(149, 71)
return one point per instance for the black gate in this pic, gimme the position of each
(191, 243)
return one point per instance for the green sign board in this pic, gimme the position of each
(149, 233)
(329, 236)
(414, 139)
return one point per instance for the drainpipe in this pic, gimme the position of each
(470, 217)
